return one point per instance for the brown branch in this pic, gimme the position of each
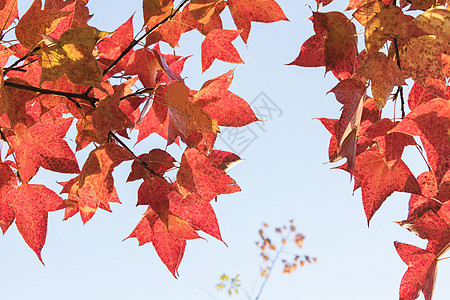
(91, 100)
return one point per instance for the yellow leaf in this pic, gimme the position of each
(72, 55)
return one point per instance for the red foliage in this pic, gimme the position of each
(399, 47)
(62, 71)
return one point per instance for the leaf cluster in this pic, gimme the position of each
(404, 43)
(59, 72)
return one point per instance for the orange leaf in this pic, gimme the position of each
(31, 204)
(217, 44)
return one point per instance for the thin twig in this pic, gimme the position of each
(30, 53)
(400, 88)
(143, 164)
(271, 268)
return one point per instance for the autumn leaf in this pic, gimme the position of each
(185, 115)
(72, 55)
(354, 4)
(351, 93)
(96, 183)
(144, 64)
(156, 11)
(432, 227)
(421, 60)
(418, 95)
(390, 145)
(224, 160)
(108, 116)
(156, 120)
(384, 75)
(31, 204)
(169, 240)
(335, 40)
(80, 13)
(222, 105)
(197, 174)
(420, 274)
(378, 181)
(111, 47)
(8, 13)
(42, 145)
(36, 22)
(217, 45)
(202, 10)
(8, 181)
(157, 160)
(382, 22)
(435, 21)
(209, 20)
(431, 121)
(419, 204)
(169, 32)
(246, 11)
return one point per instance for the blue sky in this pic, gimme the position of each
(282, 177)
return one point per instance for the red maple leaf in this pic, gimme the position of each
(197, 174)
(111, 47)
(333, 45)
(417, 96)
(186, 119)
(31, 204)
(203, 15)
(8, 13)
(420, 274)
(352, 94)
(419, 204)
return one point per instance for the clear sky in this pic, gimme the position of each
(283, 177)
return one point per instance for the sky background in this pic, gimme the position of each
(283, 177)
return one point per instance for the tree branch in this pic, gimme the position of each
(92, 100)
(143, 164)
